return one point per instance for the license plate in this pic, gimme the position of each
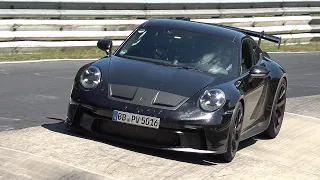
(136, 119)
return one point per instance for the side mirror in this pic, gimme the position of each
(259, 72)
(105, 45)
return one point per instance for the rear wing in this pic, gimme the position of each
(260, 35)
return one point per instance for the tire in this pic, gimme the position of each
(277, 112)
(234, 134)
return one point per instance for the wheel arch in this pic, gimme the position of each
(241, 100)
(283, 77)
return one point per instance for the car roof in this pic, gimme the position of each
(197, 27)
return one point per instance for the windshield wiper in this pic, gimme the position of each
(132, 57)
(140, 59)
(186, 67)
(160, 62)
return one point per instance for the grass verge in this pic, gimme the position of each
(54, 53)
(312, 47)
(93, 52)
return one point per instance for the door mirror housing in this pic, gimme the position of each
(259, 72)
(105, 45)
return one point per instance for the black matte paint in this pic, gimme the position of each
(132, 86)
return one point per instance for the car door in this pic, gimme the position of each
(253, 89)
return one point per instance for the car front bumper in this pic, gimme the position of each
(181, 137)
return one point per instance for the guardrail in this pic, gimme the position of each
(63, 14)
(154, 4)
(60, 29)
(153, 8)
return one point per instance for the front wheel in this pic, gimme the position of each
(278, 110)
(234, 134)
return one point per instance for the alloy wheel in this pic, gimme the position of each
(278, 113)
(236, 131)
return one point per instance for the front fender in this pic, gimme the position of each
(277, 73)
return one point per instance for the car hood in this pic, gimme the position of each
(150, 84)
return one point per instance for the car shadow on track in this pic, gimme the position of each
(193, 158)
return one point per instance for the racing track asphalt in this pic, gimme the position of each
(34, 96)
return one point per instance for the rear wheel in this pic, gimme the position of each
(278, 110)
(234, 134)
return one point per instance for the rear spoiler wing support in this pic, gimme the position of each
(261, 35)
(279, 43)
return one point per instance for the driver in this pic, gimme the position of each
(218, 61)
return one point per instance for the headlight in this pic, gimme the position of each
(90, 78)
(212, 100)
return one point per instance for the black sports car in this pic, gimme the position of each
(181, 85)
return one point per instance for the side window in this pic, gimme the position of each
(247, 56)
(256, 52)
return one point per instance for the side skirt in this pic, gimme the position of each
(259, 128)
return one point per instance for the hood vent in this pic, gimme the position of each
(145, 97)
(123, 92)
(167, 99)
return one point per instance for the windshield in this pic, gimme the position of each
(181, 49)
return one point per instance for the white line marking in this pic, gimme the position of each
(45, 60)
(295, 78)
(303, 116)
(24, 152)
(67, 78)
(302, 52)
(312, 74)
(45, 97)
(3, 71)
(8, 119)
(304, 85)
